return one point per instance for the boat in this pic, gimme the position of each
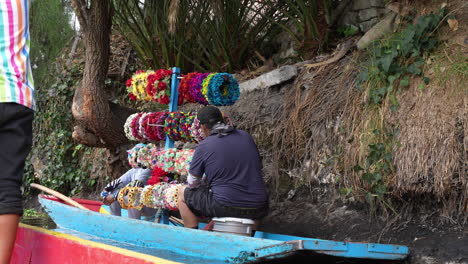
(169, 243)
(37, 245)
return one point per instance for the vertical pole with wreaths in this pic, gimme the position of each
(174, 99)
(172, 108)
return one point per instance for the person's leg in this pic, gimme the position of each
(8, 227)
(148, 213)
(15, 143)
(134, 214)
(115, 209)
(189, 218)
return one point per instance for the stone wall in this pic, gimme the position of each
(363, 14)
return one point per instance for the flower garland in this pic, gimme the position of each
(149, 126)
(160, 126)
(169, 160)
(144, 156)
(170, 197)
(184, 89)
(171, 126)
(157, 175)
(136, 86)
(221, 89)
(152, 195)
(128, 127)
(146, 198)
(205, 84)
(196, 87)
(195, 130)
(177, 126)
(158, 87)
(142, 124)
(184, 127)
(218, 89)
(154, 127)
(182, 161)
(132, 155)
(129, 198)
(135, 127)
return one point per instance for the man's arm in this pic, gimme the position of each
(113, 185)
(193, 180)
(142, 175)
(197, 167)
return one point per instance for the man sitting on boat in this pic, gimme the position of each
(230, 161)
(135, 177)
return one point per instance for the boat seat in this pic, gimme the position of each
(233, 225)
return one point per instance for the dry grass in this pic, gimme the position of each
(306, 135)
(324, 126)
(433, 122)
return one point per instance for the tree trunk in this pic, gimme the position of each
(99, 123)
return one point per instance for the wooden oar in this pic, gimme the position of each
(58, 195)
(177, 220)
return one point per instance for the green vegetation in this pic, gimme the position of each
(29, 212)
(378, 164)
(58, 159)
(50, 32)
(394, 61)
(59, 156)
(216, 35)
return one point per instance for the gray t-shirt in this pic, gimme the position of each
(233, 169)
(131, 175)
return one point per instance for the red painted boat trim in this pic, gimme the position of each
(91, 205)
(40, 246)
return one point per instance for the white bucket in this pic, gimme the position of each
(232, 225)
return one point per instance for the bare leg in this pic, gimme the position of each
(8, 227)
(190, 220)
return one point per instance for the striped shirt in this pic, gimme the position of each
(16, 81)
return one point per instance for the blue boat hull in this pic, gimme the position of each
(197, 246)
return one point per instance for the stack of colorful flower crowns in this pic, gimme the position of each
(184, 89)
(146, 127)
(218, 89)
(129, 198)
(177, 126)
(153, 127)
(152, 195)
(161, 195)
(150, 86)
(138, 153)
(170, 160)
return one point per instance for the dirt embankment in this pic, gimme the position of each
(310, 131)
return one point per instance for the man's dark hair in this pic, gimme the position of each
(209, 116)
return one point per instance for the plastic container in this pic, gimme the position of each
(232, 225)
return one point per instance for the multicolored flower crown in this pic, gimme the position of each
(220, 89)
(150, 86)
(160, 195)
(154, 126)
(170, 160)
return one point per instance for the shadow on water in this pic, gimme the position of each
(42, 220)
(311, 257)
